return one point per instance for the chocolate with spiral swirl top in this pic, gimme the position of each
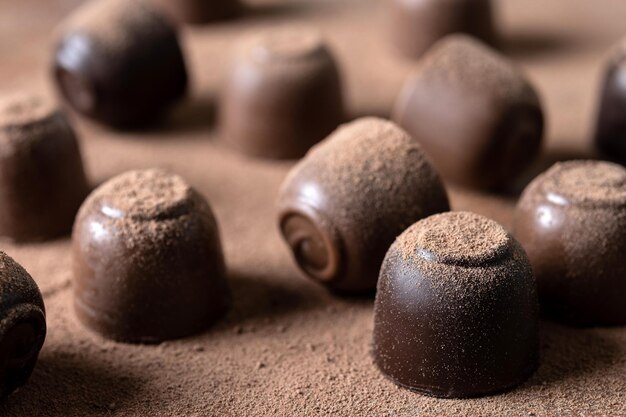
(22, 325)
(343, 205)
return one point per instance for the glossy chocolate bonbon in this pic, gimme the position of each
(474, 113)
(417, 24)
(456, 312)
(147, 259)
(199, 11)
(42, 180)
(119, 62)
(611, 124)
(341, 207)
(283, 94)
(22, 325)
(572, 222)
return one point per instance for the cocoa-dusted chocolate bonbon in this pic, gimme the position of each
(199, 11)
(42, 180)
(456, 312)
(22, 325)
(474, 113)
(283, 94)
(611, 124)
(417, 24)
(343, 205)
(572, 222)
(147, 259)
(119, 62)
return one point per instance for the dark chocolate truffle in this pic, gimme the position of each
(283, 94)
(343, 205)
(572, 222)
(417, 24)
(119, 62)
(456, 312)
(42, 181)
(147, 259)
(611, 125)
(22, 325)
(199, 11)
(473, 112)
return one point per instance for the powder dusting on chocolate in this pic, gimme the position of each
(467, 64)
(150, 208)
(372, 168)
(474, 247)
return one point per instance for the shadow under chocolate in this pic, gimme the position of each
(260, 296)
(530, 44)
(189, 115)
(64, 385)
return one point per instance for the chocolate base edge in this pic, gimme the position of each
(434, 393)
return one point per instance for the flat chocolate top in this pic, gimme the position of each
(459, 238)
(23, 110)
(286, 44)
(588, 183)
(145, 195)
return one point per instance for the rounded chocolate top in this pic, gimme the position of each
(286, 45)
(22, 324)
(469, 65)
(457, 238)
(113, 24)
(23, 110)
(585, 183)
(145, 195)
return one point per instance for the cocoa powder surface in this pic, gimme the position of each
(288, 347)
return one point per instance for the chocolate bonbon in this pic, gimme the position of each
(474, 113)
(283, 94)
(417, 24)
(341, 207)
(611, 125)
(42, 180)
(199, 11)
(119, 62)
(572, 222)
(147, 259)
(22, 325)
(456, 311)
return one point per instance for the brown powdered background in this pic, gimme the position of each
(288, 347)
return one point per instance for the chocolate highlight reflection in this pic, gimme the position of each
(147, 259)
(42, 180)
(119, 62)
(283, 94)
(456, 312)
(22, 325)
(572, 222)
(344, 203)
